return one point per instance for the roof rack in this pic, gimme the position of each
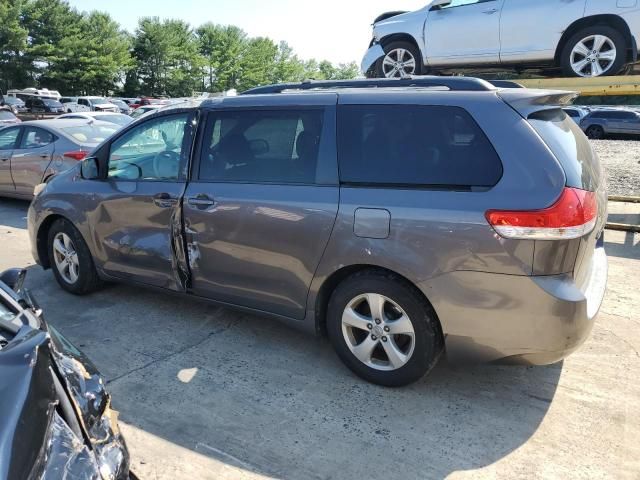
(467, 84)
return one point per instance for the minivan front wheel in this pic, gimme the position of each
(382, 329)
(71, 259)
(401, 59)
(594, 51)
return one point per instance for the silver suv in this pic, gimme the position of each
(582, 38)
(403, 218)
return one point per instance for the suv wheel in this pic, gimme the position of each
(402, 59)
(71, 259)
(595, 132)
(382, 329)
(594, 52)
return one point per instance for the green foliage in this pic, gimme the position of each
(48, 43)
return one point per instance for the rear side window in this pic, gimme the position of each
(35, 138)
(570, 146)
(414, 145)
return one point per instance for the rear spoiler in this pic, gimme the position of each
(526, 101)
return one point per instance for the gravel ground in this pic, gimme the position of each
(621, 158)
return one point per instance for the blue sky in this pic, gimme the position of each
(338, 31)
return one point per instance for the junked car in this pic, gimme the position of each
(579, 38)
(57, 420)
(402, 218)
(33, 152)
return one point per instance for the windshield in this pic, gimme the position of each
(117, 119)
(99, 101)
(90, 134)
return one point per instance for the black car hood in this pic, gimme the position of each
(41, 373)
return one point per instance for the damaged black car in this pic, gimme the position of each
(56, 420)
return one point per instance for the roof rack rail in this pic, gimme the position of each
(468, 84)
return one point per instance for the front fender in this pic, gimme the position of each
(372, 55)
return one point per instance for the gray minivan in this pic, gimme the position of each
(403, 218)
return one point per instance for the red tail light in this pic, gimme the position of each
(76, 155)
(574, 215)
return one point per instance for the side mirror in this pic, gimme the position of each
(14, 278)
(437, 4)
(89, 169)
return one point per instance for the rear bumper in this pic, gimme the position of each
(517, 319)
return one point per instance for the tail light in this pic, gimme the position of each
(76, 155)
(574, 215)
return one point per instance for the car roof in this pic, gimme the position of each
(86, 114)
(69, 122)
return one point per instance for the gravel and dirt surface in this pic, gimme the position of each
(621, 158)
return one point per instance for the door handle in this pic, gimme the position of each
(490, 11)
(4, 159)
(164, 200)
(201, 201)
(44, 155)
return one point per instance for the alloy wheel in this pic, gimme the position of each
(399, 63)
(378, 332)
(593, 56)
(65, 257)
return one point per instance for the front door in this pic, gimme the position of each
(465, 32)
(8, 140)
(31, 159)
(137, 219)
(261, 207)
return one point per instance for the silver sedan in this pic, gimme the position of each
(32, 152)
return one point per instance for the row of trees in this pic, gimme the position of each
(47, 43)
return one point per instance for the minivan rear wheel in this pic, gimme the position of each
(595, 132)
(401, 59)
(71, 260)
(383, 329)
(594, 51)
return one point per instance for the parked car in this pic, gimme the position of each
(146, 101)
(43, 105)
(123, 106)
(35, 92)
(403, 221)
(35, 151)
(581, 38)
(71, 105)
(7, 117)
(110, 117)
(92, 104)
(16, 104)
(603, 122)
(141, 110)
(575, 113)
(57, 420)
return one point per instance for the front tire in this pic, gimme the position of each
(402, 59)
(383, 329)
(594, 51)
(71, 260)
(595, 132)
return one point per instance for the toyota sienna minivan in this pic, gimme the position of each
(402, 218)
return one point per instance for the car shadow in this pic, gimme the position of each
(629, 248)
(256, 395)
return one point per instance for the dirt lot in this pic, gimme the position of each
(208, 393)
(621, 159)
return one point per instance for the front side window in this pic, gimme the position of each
(35, 138)
(414, 145)
(263, 147)
(8, 137)
(154, 150)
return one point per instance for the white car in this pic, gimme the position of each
(582, 38)
(71, 105)
(110, 117)
(90, 104)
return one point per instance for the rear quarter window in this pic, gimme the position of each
(570, 146)
(414, 146)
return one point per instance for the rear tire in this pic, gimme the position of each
(396, 54)
(394, 343)
(71, 260)
(613, 41)
(595, 132)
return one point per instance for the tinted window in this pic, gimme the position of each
(8, 137)
(35, 138)
(263, 146)
(151, 151)
(570, 146)
(414, 146)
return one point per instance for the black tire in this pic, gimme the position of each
(428, 337)
(88, 280)
(595, 132)
(409, 47)
(616, 37)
